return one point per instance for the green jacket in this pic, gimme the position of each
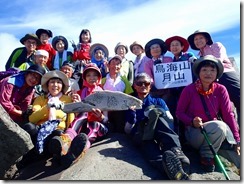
(128, 88)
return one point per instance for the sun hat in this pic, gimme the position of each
(211, 58)
(55, 74)
(41, 52)
(161, 43)
(136, 43)
(98, 46)
(200, 31)
(47, 31)
(182, 40)
(120, 44)
(56, 39)
(37, 69)
(30, 36)
(91, 66)
(115, 57)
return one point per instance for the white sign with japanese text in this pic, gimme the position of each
(171, 75)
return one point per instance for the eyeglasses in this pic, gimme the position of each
(35, 76)
(31, 42)
(145, 83)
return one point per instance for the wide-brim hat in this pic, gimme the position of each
(98, 46)
(55, 74)
(121, 44)
(200, 31)
(136, 43)
(115, 57)
(56, 40)
(161, 43)
(30, 36)
(37, 69)
(211, 58)
(47, 31)
(182, 40)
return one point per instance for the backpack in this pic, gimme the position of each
(154, 114)
(8, 72)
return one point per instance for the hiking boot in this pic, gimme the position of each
(172, 166)
(183, 158)
(207, 164)
(76, 151)
(59, 145)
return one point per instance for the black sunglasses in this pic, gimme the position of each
(140, 83)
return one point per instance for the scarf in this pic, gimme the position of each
(57, 63)
(90, 87)
(200, 90)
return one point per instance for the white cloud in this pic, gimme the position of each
(110, 24)
(10, 43)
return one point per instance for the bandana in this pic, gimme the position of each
(200, 90)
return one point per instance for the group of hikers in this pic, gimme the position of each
(47, 73)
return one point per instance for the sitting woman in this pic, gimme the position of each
(199, 107)
(46, 121)
(86, 128)
(17, 92)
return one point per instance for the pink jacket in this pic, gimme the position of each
(190, 105)
(148, 65)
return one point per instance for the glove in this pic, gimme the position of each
(192, 59)
(57, 105)
(27, 113)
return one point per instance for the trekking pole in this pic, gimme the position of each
(203, 131)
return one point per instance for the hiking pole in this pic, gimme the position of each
(203, 131)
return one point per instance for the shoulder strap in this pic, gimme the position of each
(205, 107)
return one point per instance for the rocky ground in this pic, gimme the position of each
(114, 158)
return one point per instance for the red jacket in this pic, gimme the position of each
(82, 53)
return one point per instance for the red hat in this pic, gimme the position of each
(91, 66)
(182, 40)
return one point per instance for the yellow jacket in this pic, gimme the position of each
(41, 112)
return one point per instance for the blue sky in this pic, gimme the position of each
(111, 22)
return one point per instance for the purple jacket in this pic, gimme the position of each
(15, 96)
(190, 106)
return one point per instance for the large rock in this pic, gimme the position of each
(14, 142)
(114, 158)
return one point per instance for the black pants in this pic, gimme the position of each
(164, 139)
(231, 80)
(32, 129)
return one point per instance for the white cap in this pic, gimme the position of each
(42, 53)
